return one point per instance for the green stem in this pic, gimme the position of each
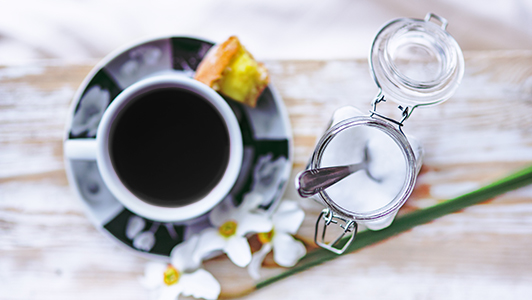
(410, 220)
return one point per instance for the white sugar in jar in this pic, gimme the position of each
(369, 190)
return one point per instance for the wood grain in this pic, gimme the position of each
(50, 250)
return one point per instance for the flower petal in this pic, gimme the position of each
(287, 250)
(288, 217)
(209, 240)
(268, 176)
(182, 256)
(249, 222)
(257, 259)
(222, 212)
(144, 241)
(153, 275)
(134, 226)
(251, 201)
(171, 292)
(238, 251)
(92, 106)
(200, 284)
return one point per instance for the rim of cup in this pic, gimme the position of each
(161, 213)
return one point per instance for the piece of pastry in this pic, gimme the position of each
(232, 71)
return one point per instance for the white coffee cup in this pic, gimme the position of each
(99, 149)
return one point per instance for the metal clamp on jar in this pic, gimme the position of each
(364, 167)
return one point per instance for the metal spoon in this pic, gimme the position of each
(313, 181)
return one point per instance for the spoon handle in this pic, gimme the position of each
(313, 181)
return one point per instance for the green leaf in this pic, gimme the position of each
(410, 220)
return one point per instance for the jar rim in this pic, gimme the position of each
(401, 141)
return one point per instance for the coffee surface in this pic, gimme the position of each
(169, 147)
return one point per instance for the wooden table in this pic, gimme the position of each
(50, 250)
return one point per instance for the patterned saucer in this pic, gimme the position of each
(265, 130)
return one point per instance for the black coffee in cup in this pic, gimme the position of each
(169, 147)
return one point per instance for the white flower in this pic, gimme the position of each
(90, 111)
(231, 226)
(268, 177)
(286, 250)
(144, 241)
(139, 59)
(134, 226)
(148, 54)
(181, 276)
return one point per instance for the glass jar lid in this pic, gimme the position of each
(416, 62)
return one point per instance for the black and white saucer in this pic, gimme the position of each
(265, 130)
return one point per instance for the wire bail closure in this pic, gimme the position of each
(350, 227)
(406, 111)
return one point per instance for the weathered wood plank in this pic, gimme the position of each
(49, 249)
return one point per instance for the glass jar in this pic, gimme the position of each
(414, 63)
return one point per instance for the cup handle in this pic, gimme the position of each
(82, 149)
